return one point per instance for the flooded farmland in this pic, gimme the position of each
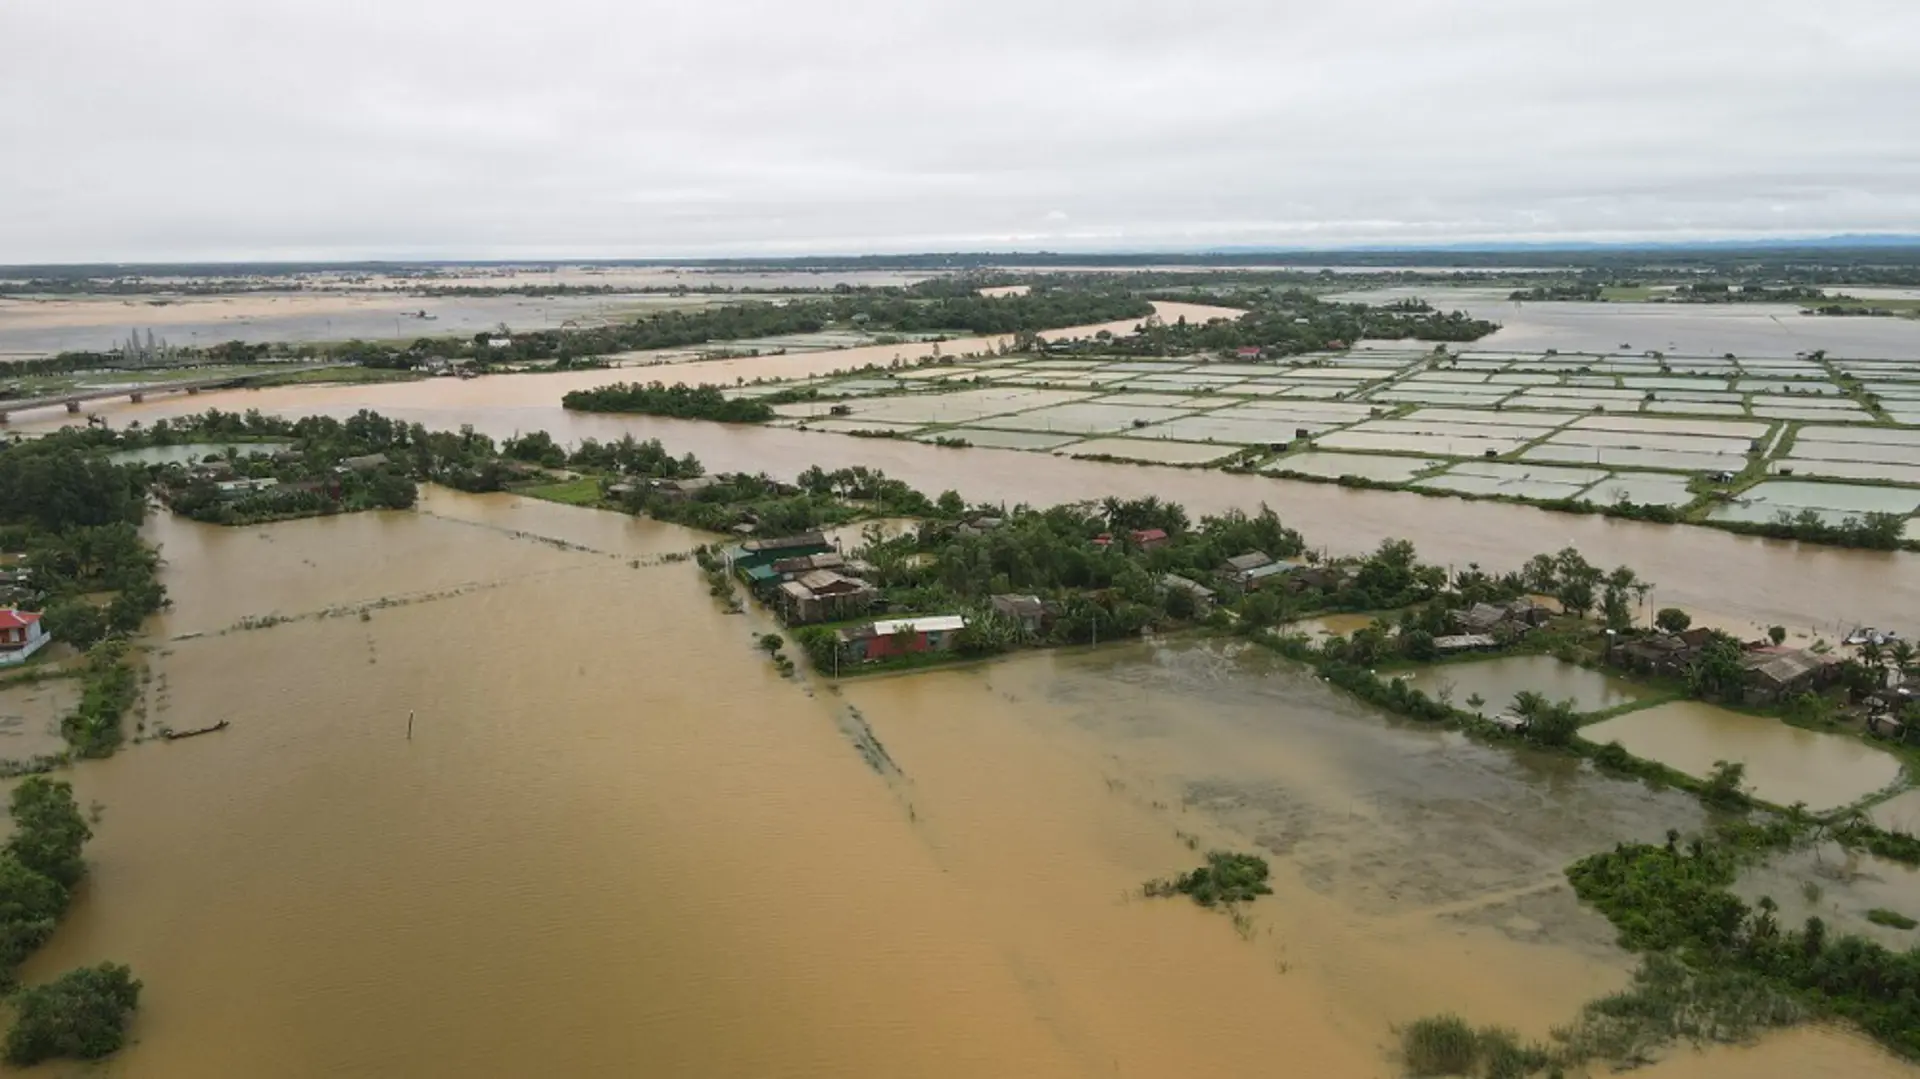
(1781, 582)
(1497, 681)
(619, 842)
(1683, 329)
(1784, 764)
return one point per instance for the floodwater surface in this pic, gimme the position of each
(505, 793)
(1497, 681)
(1784, 764)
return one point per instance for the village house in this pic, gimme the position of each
(1032, 613)
(1660, 653)
(1773, 675)
(900, 636)
(1146, 539)
(21, 635)
(1466, 642)
(1247, 352)
(1514, 617)
(364, 463)
(1266, 576)
(980, 526)
(1236, 568)
(682, 490)
(234, 490)
(823, 595)
(1202, 595)
(765, 552)
(1318, 578)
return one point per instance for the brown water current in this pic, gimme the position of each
(618, 843)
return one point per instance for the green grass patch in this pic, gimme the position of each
(1892, 919)
(340, 374)
(584, 491)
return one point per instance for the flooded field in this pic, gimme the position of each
(1835, 500)
(192, 452)
(1784, 764)
(619, 843)
(1497, 681)
(1367, 466)
(1151, 451)
(1681, 329)
(31, 327)
(30, 714)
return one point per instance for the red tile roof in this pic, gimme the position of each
(11, 618)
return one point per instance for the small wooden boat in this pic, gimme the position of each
(170, 734)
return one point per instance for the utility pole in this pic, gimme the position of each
(409, 724)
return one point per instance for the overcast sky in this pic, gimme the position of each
(238, 129)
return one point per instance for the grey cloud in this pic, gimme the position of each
(274, 128)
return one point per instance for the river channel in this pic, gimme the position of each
(618, 843)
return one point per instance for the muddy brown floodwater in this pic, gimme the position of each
(618, 843)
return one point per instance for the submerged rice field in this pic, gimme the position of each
(1715, 437)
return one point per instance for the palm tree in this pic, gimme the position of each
(1527, 703)
(1904, 657)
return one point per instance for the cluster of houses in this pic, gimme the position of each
(804, 578)
(1490, 625)
(671, 490)
(1774, 673)
(1255, 571)
(229, 486)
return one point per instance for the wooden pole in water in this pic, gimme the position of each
(409, 724)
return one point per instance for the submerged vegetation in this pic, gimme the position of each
(83, 1013)
(1674, 900)
(679, 402)
(1445, 1045)
(1227, 878)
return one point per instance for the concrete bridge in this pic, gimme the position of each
(138, 392)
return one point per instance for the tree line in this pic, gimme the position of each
(81, 1014)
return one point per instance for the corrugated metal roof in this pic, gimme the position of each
(945, 623)
(1270, 570)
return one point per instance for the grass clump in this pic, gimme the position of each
(584, 491)
(1891, 918)
(1226, 878)
(1439, 1045)
(1446, 1045)
(1669, 1002)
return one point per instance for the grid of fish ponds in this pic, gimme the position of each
(1603, 428)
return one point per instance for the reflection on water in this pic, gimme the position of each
(1497, 681)
(1784, 764)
